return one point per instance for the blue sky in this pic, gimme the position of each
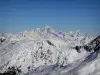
(66, 15)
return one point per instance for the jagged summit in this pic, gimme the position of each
(48, 27)
(48, 30)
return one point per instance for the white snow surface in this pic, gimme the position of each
(45, 47)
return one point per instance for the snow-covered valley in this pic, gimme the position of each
(50, 52)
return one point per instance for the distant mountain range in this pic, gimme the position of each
(49, 52)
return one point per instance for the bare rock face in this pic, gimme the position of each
(92, 45)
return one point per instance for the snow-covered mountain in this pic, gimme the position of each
(49, 52)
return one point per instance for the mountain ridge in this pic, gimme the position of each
(37, 47)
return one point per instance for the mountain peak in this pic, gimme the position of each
(48, 29)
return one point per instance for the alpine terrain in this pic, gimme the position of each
(49, 52)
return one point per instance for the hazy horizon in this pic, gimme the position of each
(66, 15)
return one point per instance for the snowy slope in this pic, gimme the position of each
(89, 66)
(42, 48)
